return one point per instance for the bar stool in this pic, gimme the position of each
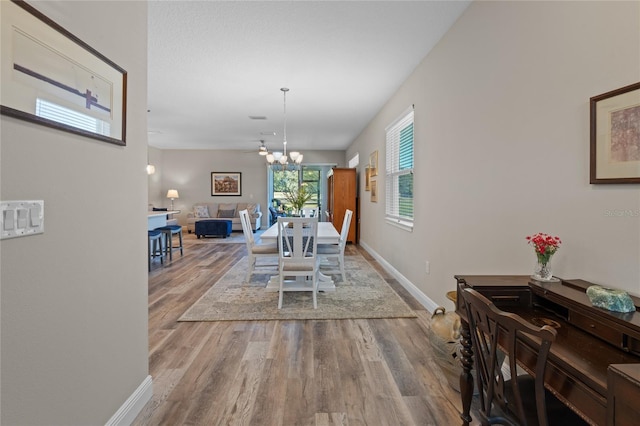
(155, 246)
(169, 231)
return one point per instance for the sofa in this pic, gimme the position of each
(228, 211)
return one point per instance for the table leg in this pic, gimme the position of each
(466, 378)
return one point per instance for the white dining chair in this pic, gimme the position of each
(309, 212)
(298, 244)
(254, 250)
(332, 255)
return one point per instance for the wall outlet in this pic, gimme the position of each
(427, 267)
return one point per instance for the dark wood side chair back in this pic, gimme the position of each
(496, 334)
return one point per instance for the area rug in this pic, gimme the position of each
(364, 294)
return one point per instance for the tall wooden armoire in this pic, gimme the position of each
(341, 191)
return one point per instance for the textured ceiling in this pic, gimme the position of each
(212, 64)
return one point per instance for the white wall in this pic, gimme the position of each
(502, 147)
(189, 171)
(74, 299)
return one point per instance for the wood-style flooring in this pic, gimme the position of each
(330, 372)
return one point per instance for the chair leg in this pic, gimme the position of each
(155, 249)
(158, 249)
(314, 282)
(180, 235)
(250, 267)
(168, 237)
(341, 262)
(280, 296)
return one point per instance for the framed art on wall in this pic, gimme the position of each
(51, 77)
(615, 136)
(374, 191)
(225, 183)
(373, 163)
(367, 178)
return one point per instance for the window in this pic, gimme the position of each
(314, 176)
(399, 171)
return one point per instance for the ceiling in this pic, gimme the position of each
(214, 64)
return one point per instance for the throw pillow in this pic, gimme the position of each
(251, 208)
(226, 213)
(201, 211)
(227, 206)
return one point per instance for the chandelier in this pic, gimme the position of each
(281, 158)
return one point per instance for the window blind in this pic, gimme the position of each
(399, 171)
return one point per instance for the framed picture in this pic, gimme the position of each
(51, 77)
(367, 178)
(615, 136)
(373, 163)
(374, 191)
(223, 183)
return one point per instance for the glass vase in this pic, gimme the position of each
(542, 270)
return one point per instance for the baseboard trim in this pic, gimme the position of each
(425, 301)
(127, 413)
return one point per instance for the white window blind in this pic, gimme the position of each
(399, 171)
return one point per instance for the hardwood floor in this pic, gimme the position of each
(339, 372)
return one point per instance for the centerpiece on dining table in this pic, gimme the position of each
(545, 246)
(296, 196)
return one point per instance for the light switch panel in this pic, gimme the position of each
(21, 218)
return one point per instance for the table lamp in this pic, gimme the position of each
(173, 194)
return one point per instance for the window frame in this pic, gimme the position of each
(394, 171)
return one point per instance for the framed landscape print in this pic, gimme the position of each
(374, 191)
(52, 78)
(367, 178)
(615, 136)
(225, 183)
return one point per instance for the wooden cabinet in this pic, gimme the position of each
(623, 389)
(341, 191)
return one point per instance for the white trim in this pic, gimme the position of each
(400, 117)
(425, 301)
(127, 413)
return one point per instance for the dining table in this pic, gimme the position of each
(327, 234)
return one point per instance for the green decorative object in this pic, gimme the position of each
(610, 299)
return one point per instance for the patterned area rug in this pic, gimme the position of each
(365, 294)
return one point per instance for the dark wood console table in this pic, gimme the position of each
(589, 340)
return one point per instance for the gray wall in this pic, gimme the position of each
(189, 171)
(502, 147)
(74, 299)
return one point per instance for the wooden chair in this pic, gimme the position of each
(254, 250)
(334, 253)
(522, 398)
(298, 246)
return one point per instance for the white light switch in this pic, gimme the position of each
(34, 215)
(8, 221)
(21, 218)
